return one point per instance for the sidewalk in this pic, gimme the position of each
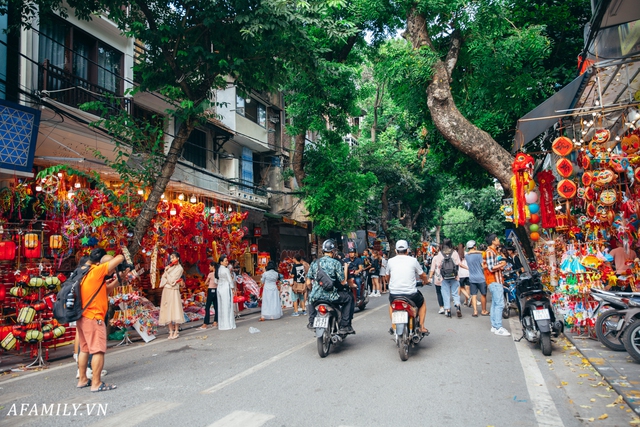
(617, 367)
(16, 361)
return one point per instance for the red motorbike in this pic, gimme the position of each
(406, 325)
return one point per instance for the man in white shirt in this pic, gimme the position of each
(402, 271)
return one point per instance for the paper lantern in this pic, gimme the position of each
(55, 241)
(533, 227)
(535, 218)
(30, 240)
(18, 291)
(9, 342)
(33, 252)
(562, 146)
(26, 315)
(36, 282)
(33, 336)
(58, 331)
(257, 231)
(531, 197)
(534, 236)
(7, 250)
(253, 249)
(534, 208)
(39, 306)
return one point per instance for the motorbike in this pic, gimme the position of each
(360, 302)
(536, 313)
(612, 310)
(406, 325)
(509, 295)
(326, 324)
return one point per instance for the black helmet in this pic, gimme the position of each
(328, 246)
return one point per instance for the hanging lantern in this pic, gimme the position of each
(30, 240)
(172, 212)
(253, 249)
(55, 241)
(7, 250)
(3, 292)
(9, 342)
(257, 231)
(26, 315)
(33, 336)
(36, 282)
(33, 252)
(58, 331)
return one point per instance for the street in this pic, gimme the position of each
(459, 375)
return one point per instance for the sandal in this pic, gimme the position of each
(474, 315)
(105, 387)
(262, 319)
(203, 328)
(485, 314)
(88, 384)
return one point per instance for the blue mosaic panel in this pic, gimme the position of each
(18, 135)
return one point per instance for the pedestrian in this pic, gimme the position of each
(271, 304)
(212, 297)
(477, 281)
(171, 313)
(375, 274)
(463, 275)
(495, 280)
(383, 272)
(447, 263)
(299, 288)
(436, 279)
(226, 291)
(92, 331)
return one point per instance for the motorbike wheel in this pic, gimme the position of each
(403, 345)
(324, 342)
(362, 306)
(545, 343)
(605, 330)
(507, 309)
(631, 340)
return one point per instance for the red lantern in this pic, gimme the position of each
(253, 249)
(7, 250)
(46, 336)
(39, 306)
(3, 292)
(33, 252)
(257, 231)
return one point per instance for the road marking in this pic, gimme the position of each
(243, 419)
(137, 414)
(272, 360)
(544, 408)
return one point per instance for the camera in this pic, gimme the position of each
(123, 266)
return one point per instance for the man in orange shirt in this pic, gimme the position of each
(92, 332)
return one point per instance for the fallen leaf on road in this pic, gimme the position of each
(604, 396)
(583, 375)
(549, 360)
(564, 383)
(593, 400)
(591, 419)
(585, 406)
(619, 400)
(611, 405)
(603, 417)
(635, 422)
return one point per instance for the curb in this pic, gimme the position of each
(616, 367)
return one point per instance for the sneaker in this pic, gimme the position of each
(346, 330)
(502, 332)
(310, 325)
(295, 314)
(77, 373)
(89, 373)
(304, 313)
(493, 330)
(441, 311)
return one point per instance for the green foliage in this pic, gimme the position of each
(459, 225)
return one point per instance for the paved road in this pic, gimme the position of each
(460, 375)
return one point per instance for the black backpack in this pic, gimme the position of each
(68, 306)
(449, 269)
(324, 280)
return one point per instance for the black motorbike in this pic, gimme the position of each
(361, 299)
(537, 316)
(611, 314)
(326, 324)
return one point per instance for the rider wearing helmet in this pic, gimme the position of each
(402, 271)
(334, 269)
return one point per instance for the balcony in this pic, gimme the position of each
(64, 87)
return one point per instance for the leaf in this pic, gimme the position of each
(564, 383)
(603, 417)
(585, 406)
(593, 400)
(635, 422)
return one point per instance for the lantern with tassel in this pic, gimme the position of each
(30, 240)
(55, 241)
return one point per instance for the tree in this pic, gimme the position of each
(192, 48)
(459, 225)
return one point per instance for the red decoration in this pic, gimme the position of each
(562, 146)
(564, 167)
(33, 252)
(547, 209)
(257, 231)
(7, 250)
(567, 189)
(522, 168)
(534, 218)
(253, 249)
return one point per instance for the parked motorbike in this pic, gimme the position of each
(406, 325)
(536, 313)
(613, 308)
(509, 295)
(326, 324)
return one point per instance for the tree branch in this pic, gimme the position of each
(454, 51)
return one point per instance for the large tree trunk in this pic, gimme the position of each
(150, 207)
(298, 158)
(456, 129)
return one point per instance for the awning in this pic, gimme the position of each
(546, 114)
(619, 12)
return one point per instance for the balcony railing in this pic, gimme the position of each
(74, 91)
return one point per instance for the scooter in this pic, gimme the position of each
(326, 324)
(613, 308)
(509, 295)
(537, 316)
(360, 302)
(406, 325)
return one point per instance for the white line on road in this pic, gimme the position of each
(543, 406)
(137, 414)
(272, 360)
(243, 419)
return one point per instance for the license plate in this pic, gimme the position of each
(320, 322)
(399, 317)
(541, 314)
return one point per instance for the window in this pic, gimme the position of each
(252, 110)
(240, 105)
(195, 149)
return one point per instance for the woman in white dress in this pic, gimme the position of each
(226, 290)
(271, 305)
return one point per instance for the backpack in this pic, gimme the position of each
(448, 269)
(324, 280)
(70, 292)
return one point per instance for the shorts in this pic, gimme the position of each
(92, 337)
(464, 281)
(298, 297)
(475, 287)
(374, 276)
(417, 298)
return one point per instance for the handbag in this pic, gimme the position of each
(299, 288)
